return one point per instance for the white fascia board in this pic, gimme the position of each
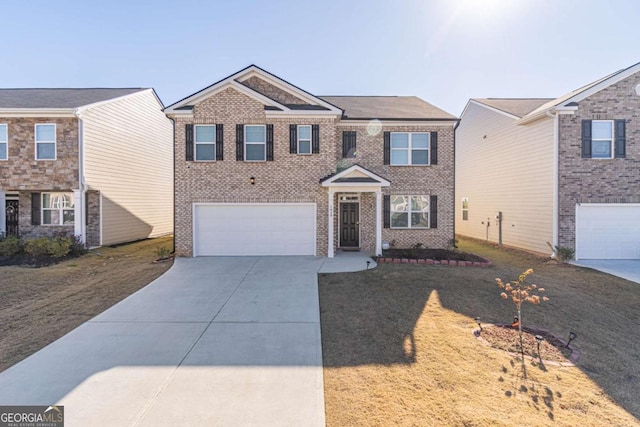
(602, 85)
(187, 114)
(37, 112)
(330, 182)
(438, 123)
(490, 108)
(287, 87)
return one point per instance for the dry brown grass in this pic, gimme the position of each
(398, 346)
(39, 305)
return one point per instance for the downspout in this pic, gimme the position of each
(81, 182)
(556, 151)
(453, 241)
(173, 122)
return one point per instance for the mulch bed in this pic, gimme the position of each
(439, 254)
(505, 337)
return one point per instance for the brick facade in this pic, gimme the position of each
(295, 178)
(583, 180)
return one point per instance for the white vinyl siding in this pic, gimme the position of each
(501, 166)
(4, 142)
(128, 147)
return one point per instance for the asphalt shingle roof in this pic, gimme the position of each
(517, 106)
(59, 98)
(387, 107)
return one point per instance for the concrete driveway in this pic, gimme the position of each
(626, 268)
(214, 341)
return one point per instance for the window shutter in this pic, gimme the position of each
(219, 142)
(239, 143)
(293, 139)
(386, 203)
(315, 139)
(434, 148)
(270, 143)
(348, 144)
(433, 212)
(188, 140)
(586, 139)
(387, 148)
(35, 209)
(621, 151)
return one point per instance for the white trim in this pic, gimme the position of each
(196, 143)
(244, 130)
(298, 139)
(195, 204)
(488, 107)
(577, 218)
(331, 216)
(612, 140)
(556, 181)
(403, 123)
(36, 112)
(381, 181)
(409, 149)
(55, 140)
(60, 209)
(78, 213)
(378, 223)
(409, 212)
(101, 232)
(6, 140)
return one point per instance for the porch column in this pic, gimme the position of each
(3, 213)
(78, 215)
(378, 223)
(330, 225)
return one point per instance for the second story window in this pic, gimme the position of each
(304, 139)
(410, 148)
(602, 139)
(3, 142)
(255, 140)
(45, 141)
(205, 142)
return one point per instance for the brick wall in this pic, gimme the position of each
(93, 218)
(598, 180)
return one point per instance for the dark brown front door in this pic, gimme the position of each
(11, 210)
(349, 225)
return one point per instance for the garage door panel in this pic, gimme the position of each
(254, 229)
(608, 231)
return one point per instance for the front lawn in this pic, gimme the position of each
(398, 346)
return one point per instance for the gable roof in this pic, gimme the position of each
(60, 98)
(518, 107)
(354, 175)
(387, 108)
(568, 101)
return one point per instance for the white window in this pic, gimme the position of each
(409, 211)
(45, 142)
(3, 142)
(304, 139)
(410, 148)
(602, 139)
(255, 141)
(57, 209)
(205, 142)
(465, 208)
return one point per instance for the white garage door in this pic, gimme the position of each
(254, 229)
(608, 231)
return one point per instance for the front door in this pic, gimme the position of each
(349, 225)
(11, 210)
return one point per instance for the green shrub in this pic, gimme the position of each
(38, 247)
(10, 246)
(59, 247)
(162, 252)
(562, 253)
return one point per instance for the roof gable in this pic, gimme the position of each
(512, 107)
(355, 174)
(276, 94)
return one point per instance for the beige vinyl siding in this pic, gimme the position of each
(509, 170)
(128, 152)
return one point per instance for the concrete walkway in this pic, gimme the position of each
(626, 268)
(227, 341)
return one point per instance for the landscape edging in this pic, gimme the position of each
(387, 260)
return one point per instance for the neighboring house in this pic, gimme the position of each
(96, 163)
(564, 170)
(265, 168)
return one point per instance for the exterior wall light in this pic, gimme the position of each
(252, 180)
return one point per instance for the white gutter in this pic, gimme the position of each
(82, 187)
(556, 159)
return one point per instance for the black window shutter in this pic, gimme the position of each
(387, 148)
(35, 209)
(348, 144)
(433, 212)
(434, 148)
(270, 143)
(188, 141)
(586, 139)
(621, 151)
(239, 143)
(315, 139)
(293, 139)
(386, 206)
(219, 142)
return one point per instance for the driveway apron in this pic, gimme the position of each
(214, 341)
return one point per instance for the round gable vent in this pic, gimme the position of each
(638, 89)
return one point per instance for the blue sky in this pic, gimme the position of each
(444, 51)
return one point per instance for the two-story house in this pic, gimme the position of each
(96, 163)
(266, 168)
(564, 171)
